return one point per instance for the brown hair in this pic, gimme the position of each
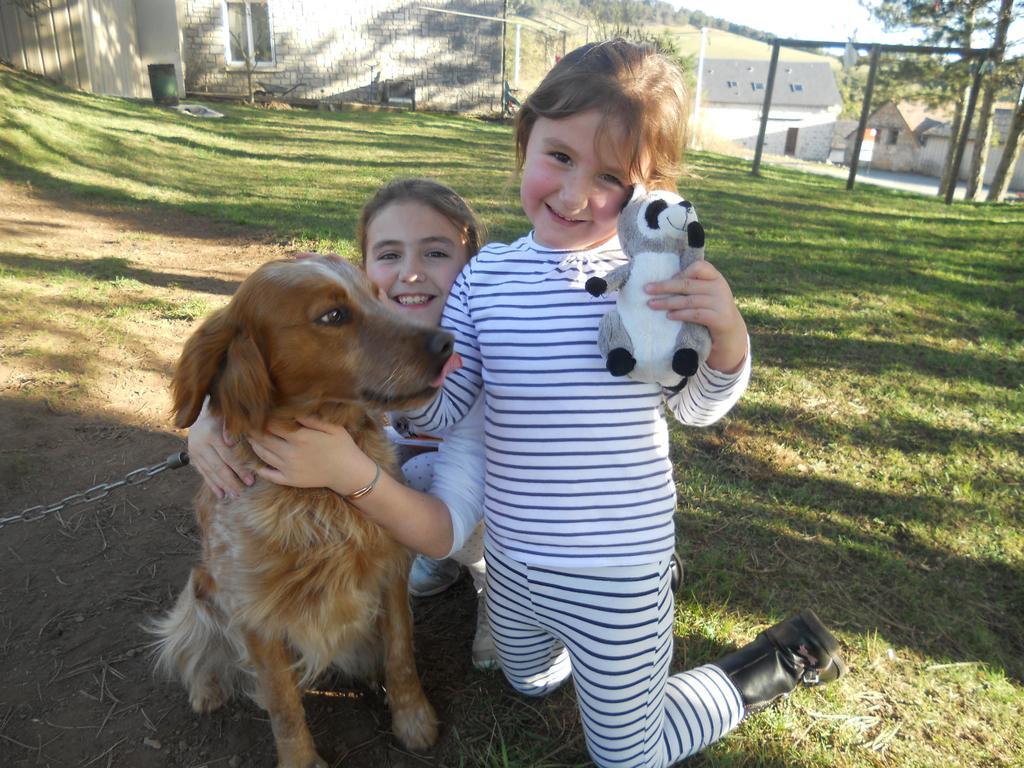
(433, 194)
(634, 87)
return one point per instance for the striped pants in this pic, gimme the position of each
(610, 629)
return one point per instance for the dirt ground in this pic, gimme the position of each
(75, 587)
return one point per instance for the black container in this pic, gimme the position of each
(163, 82)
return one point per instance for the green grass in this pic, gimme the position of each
(873, 470)
(725, 45)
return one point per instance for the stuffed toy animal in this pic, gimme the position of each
(660, 233)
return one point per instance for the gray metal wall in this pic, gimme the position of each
(103, 46)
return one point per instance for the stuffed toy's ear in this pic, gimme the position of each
(639, 190)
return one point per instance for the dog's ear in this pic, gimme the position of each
(222, 360)
(201, 361)
(244, 392)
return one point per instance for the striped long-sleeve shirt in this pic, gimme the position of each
(578, 469)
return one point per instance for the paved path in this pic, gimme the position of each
(909, 182)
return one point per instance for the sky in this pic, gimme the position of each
(807, 19)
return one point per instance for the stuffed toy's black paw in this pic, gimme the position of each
(620, 362)
(685, 362)
(596, 286)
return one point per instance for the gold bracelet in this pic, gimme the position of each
(366, 488)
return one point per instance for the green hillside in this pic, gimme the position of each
(725, 45)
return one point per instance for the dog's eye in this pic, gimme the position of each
(336, 316)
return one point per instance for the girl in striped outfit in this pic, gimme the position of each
(579, 495)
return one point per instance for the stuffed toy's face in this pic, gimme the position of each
(653, 218)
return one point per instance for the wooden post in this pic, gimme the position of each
(768, 88)
(864, 112)
(972, 101)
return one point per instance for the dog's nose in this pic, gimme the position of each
(441, 344)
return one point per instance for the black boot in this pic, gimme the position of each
(798, 650)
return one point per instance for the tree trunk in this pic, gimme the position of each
(983, 136)
(954, 140)
(949, 173)
(1011, 151)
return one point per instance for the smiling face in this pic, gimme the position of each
(574, 185)
(413, 255)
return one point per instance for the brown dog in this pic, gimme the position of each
(295, 580)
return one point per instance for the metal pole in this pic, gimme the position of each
(864, 110)
(972, 101)
(769, 87)
(515, 76)
(504, 68)
(700, 78)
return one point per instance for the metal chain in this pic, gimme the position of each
(97, 492)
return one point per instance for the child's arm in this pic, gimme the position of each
(462, 386)
(212, 453)
(700, 294)
(322, 455)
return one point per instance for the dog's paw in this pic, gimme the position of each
(416, 726)
(207, 697)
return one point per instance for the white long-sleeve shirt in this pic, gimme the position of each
(577, 461)
(458, 472)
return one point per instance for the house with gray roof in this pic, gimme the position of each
(444, 55)
(935, 139)
(914, 138)
(805, 105)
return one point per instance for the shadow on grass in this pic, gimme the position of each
(889, 431)
(795, 351)
(860, 557)
(108, 268)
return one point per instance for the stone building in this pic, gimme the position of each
(894, 142)
(347, 51)
(805, 105)
(935, 144)
(446, 54)
(912, 138)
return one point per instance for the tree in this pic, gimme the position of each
(983, 133)
(943, 23)
(248, 64)
(1011, 151)
(921, 78)
(32, 8)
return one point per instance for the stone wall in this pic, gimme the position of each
(344, 51)
(742, 124)
(895, 146)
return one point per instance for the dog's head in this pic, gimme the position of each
(298, 335)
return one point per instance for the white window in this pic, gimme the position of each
(731, 84)
(247, 32)
(757, 86)
(796, 87)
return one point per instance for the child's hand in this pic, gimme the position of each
(211, 452)
(316, 455)
(699, 294)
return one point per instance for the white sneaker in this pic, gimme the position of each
(429, 577)
(485, 655)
